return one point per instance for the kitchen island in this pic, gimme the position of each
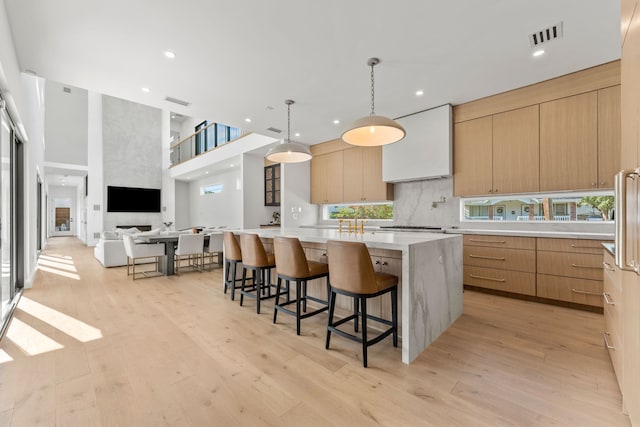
(430, 277)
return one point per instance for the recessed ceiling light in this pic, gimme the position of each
(419, 92)
(146, 90)
(336, 122)
(538, 52)
(169, 54)
(206, 172)
(248, 120)
(231, 165)
(297, 134)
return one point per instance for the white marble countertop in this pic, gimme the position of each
(523, 233)
(372, 238)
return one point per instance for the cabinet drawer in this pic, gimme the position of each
(613, 319)
(613, 342)
(584, 266)
(579, 291)
(501, 280)
(502, 258)
(570, 245)
(500, 241)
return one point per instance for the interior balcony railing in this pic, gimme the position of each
(206, 139)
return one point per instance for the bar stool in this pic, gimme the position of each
(352, 274)
(292, 264)
(232, 256)
(255, 258)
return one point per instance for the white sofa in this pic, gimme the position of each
(110, 248)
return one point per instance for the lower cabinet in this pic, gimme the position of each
(568, 270)
(613, 331)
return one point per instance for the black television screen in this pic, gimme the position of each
(129, 199)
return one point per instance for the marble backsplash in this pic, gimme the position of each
(414, 203)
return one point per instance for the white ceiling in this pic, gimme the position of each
(236, 57)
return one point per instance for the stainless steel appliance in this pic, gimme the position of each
(627, 217)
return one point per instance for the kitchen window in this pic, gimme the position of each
(372, 211)
(590, 207)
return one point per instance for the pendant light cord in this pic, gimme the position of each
(373, 93)
(288, 122)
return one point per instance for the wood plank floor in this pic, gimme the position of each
(90, 347)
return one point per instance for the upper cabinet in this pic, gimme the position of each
(516, 154)
(497, 154)
(272, 185)
(363, 176)
(472, 157)
(327, 178)
(569, 143)
(342, 173)
(609, 135)
(562, 134)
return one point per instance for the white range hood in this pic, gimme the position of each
(425, 153)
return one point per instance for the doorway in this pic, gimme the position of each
(63, 224)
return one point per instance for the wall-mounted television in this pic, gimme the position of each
(130, 199)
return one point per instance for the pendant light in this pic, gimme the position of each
(372, 130)
(287, 151)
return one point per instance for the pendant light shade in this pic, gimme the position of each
(373, 130)
(287, 151)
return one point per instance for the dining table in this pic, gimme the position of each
(170, 241)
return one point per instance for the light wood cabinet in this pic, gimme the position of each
(569, 143)
(516, 151)
(363, 176)
(503, 263)
(472, 157)
(570, 270)
(609, 135)
(613, 327)
(327, 178)
(497, 154)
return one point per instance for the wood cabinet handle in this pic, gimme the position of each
(585, 266)
(606, 299)
(576, 291)
(487, 257)
(487, 241)
(608, 266)
(486, 278)
(606, 341)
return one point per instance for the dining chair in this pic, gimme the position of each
(142, 253)
(191, 248)
(214, 248)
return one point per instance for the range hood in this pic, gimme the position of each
(425, 153)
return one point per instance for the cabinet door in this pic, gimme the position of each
(374, 189)
(608, 135)
(472, 157)
(353, 170)
(569, 143)
(516, 151)
(327, 178)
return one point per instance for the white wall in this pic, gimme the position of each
(182, 206)
(66, 124)
(217, 209)
(95, 199)
(254, 212)
(295, 195)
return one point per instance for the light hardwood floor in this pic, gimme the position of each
(176, 351)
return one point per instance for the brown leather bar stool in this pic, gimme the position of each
(292, 265)
(352, 274)
(255, 258)
(232, 256)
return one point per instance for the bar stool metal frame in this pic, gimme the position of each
(232, 256)
(301, 281)
(364, 267)
(261, 285)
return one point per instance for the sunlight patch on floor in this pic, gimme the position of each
(59, 272)
(4, 357)
(56, 259)
(30, 340)
(56, 264)
(65, 323)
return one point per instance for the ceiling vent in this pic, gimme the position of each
(546, 35)
(177, 101)
(276, 130)
(66, 89)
